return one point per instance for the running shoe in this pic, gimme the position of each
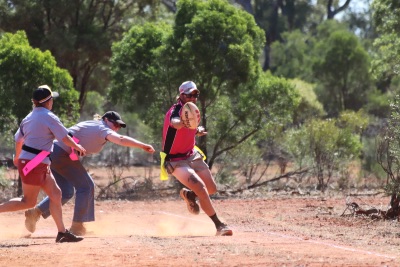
(32, 216)
(67, 237)
(224, 230)
(190, 200)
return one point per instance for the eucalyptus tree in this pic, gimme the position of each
(386, 69)
(22, 69)
(217, 46)
(386, 65)
(341, 67)
(327, 147)
(278, 16)
(79, 34)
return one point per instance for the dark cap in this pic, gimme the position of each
(114, 117)
(43, 93)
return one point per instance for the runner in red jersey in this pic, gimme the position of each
(185, 163)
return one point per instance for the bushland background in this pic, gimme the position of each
(298, 97)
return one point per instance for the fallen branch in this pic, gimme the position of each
(373, 213)
(255, 185)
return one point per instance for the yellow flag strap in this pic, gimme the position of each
(201, 152)
(163, 171)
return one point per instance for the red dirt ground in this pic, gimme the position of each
(272, 231)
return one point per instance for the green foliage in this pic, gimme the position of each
(386, 17)
(378, 103)
(296, 144)
(94, 105)
(215, 45)
(342, 70)
(245, 161)
(385, 65)
(291, 58)
(309, 106)
(79, 33)
(4, 181)
(356, 122)
(325, 29)
(22, 69)
(256, 112)
(388, 150)
(369, 163)
(137, 71)
(139, 75)
(328, 146)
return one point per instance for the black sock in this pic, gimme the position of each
(215, 219)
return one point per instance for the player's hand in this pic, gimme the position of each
(201, 131)
(15, 161)
(148, 148)
(81, 149)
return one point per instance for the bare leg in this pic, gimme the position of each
(190, 179)
(54, 193)
(208, 179)
(26, 202)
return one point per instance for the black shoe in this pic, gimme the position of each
(191, 203)
(67, 237)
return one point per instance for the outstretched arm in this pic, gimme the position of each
(124, 140)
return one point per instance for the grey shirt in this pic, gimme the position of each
(38, 130)
(91, 135)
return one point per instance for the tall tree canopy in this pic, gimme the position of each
(342, 68)
(278, 16)
(22, 69)
(79, 34)
(217, 46)
(386, 63)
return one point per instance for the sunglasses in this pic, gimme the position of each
(190, 95)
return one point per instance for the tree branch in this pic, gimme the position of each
(255, 185)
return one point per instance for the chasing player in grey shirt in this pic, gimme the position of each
(70, 174)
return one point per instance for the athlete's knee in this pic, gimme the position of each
(211, 186)
(201, 191)
(29, 202)
(55, 194)
(212, 189)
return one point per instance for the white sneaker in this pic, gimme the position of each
(224, 230)
(32, 216)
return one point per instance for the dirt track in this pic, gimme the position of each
(275, 231)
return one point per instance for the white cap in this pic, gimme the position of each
(188, 87)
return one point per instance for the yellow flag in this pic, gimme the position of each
(201, 152)
(163, 171)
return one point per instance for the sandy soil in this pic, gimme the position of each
(275, 230)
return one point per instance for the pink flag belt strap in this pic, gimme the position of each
(73, 156)
(35, 161)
